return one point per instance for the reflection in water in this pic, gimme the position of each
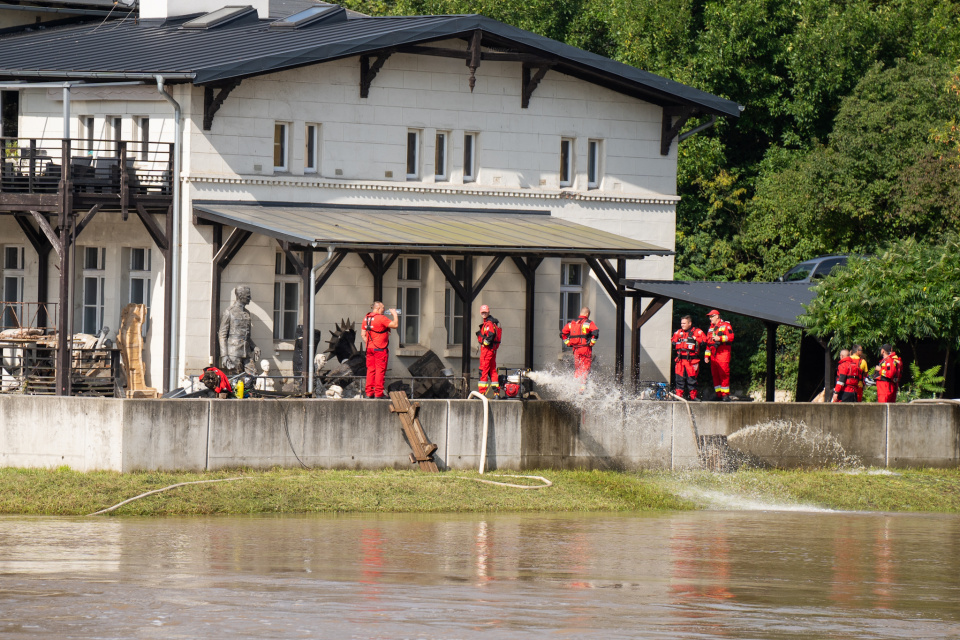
(687, 575)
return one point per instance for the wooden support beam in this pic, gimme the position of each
(212, 103)
(465, 359)
(369, 71)
(87, 219)
(670, 128)
(529, 271)
(620, 302)
(56, 242)
(603, 278)
(473, 60)
(42, 246)
(327, 270)
(487, 274)
(491, 56)
(153, 229)
(771, 361)
(37, 239)
(233, 244)
(292, 257)
(655, 305)
(530, 80)
(451, 278)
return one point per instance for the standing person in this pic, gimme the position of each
(856, 353)
(489, 338)
(717, 354)
(375, 332)
(888, 374)
(849, 387)
(581, 334)
(687, 341)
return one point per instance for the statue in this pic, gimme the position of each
(130, 341)
(264, 381)
(237, 349)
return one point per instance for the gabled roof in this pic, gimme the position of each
(248, 47)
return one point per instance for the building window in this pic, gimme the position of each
(571, 291)
(286, 298)
(116, 134)
(86, 134)
(593, 164)
(453, 305)
(12, 294)
(139, 288)
(94, 264)
(413, 155)
(143, 127)
(566, 162)
(280, 145)
(311, 149)
(408, 299)
(469, 157)
(440, 157)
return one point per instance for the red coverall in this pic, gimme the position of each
(890, 370)
(489, 338)
(849, 380)
(719, 337)
(687, 343)
(378, 339)
(223, 382)
(581, 334)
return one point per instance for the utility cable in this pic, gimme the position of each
(286, 428)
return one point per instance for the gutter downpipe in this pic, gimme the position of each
(313, 312)
(175, 240)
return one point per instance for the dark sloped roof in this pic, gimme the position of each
(778, 302)
(248, 47)
(406, 229)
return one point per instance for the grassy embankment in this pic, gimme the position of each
(67, 492)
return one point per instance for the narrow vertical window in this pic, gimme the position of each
(94, 264)
(453, 305)
(413, 155)
(86, 133)
(571, 291)
(469, 157)
(566, 162)
(310, 152)
(408, 299)
(440, 157)
(280, 131)
(11, 298)
(140, 277)
(286, 298)
(116, 134)
(593, 164)
(144, 126)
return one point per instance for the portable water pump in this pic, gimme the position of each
(512, 383)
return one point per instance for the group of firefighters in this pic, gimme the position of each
(581, 336)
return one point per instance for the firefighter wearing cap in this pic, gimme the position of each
(488, 336)
(849, 387)
(717, 354)
(375, 332)
(581, 335)
(888, 374)
(687, 341)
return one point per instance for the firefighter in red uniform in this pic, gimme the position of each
(856, 353)
(375, 332)
(717, 354)
(489, 338)
(888, 374)
(581, 334)
(849, 379)
(687, 341)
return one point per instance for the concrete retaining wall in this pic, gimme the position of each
(130, 435)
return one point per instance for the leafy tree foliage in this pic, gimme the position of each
(905, 293)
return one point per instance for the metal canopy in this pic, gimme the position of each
(776, 302)
(427, 230)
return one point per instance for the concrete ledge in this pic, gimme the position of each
(130, 435)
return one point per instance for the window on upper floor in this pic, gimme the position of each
(440, 157)
(286, 298)
(469, 157)
(143, 137)
(408, 299)
(281, 134)
(11, 297)
(571, 291)
(116, 134)
(413, 154)
(566, 162)
(311, 150)
(593, 164)
(87, 134)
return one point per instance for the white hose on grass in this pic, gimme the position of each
(173, 486)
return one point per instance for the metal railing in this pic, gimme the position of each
(15, 315)
(36, 166)
(30, 368)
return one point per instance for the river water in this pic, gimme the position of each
(710, 574)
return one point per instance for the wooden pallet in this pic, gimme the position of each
(423, 449)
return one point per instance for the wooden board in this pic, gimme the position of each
(423, 449)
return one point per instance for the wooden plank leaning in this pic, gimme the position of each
(423, 449)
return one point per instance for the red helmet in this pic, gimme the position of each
(484, 308)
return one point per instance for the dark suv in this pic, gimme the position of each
(813, 269)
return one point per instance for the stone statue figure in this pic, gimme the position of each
(237, 349)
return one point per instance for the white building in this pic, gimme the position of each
(297, 117)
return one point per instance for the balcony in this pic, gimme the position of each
(54, 175)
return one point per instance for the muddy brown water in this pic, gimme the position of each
(669, 575)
